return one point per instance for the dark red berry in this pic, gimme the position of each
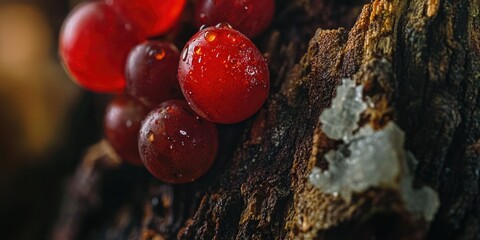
(154, 17)
(223, 75)
(175, 144)
(122, 123)
(251, 17)
(94, 44)
(151, 72)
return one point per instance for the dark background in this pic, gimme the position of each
(46, 121)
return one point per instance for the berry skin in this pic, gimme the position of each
(154, 17)
(251, 17)
(151, 72)
(223, 75)
(122, 123)
(176, 145)
(94, 44)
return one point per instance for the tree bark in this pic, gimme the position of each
(419, 63)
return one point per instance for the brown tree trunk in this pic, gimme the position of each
(419, 64)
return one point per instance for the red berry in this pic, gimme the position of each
(176, 145)
(151, 72)
(122, 123)
(223, 76)
(94, 44)
(251, 17)
(154, 17)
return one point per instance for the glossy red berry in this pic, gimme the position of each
(176, 145)
(151, 72)
(223, 75)
(122, 122)
(154, 17)
(251, 17)
(94, 44)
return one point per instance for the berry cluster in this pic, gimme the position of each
(164, 117)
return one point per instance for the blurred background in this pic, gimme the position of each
(46, 121)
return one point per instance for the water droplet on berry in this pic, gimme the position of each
(151, 136)
(250, 70)
(128, 123)
(223, 25)
(210, 36)
(203, 27)
(185, 54)
(232, 38)
(183, 132)
(160, 55)
(231, 59)
(198, 50)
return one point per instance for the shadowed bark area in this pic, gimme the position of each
(418, 61)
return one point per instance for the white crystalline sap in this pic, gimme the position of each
(340, 120)
(373, 159)
(368, 158)
(423, 201)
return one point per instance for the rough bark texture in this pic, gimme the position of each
(419, 62)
